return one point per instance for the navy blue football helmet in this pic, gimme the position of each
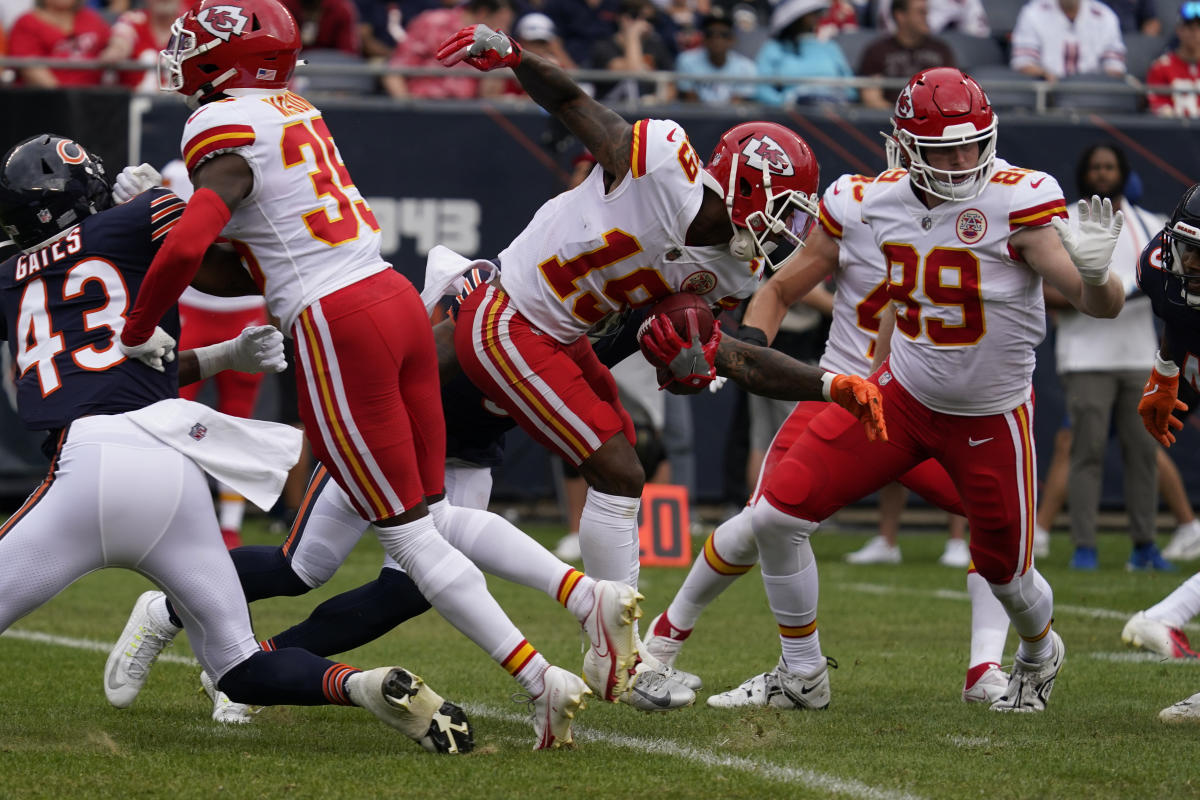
(48, 184)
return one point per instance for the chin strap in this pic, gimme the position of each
(743, 246)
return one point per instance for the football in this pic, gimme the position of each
(674, 308)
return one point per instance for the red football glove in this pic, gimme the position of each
(1160, 397)
(862, 399)
(481, 47)
(688, 362)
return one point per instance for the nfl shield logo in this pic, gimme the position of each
(44, 216)
(198, 432)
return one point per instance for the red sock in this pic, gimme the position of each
(664, 628)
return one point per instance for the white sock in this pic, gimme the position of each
(1178, 608)
(231, 508)
(456, 588)
(789, 573)
(498, 547)
(729, 553)
(989, 622)
(1029, 601)
(608, 537)
(161, 617)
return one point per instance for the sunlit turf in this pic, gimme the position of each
(896, 726)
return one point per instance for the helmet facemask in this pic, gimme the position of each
(1181, 240)
(774, 231)
(909, 151)
(182, 46)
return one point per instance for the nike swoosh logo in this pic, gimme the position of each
(1038, 182)
(661, 702)
(977, 442)
(808, 689)
(837, 189)
(113, 683)
(1153, 389)
(671, 135)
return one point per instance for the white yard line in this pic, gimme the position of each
(952, 594)
(811, 779)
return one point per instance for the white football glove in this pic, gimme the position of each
(256, 349)
(1092, 248)
(133, 181)
(156, 351)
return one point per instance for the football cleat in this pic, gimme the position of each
(555, 708)
(1184, 711)
(875, 551)
(988, 687)
(1185, 543)
(655, 687)
(129, 661)
(779, 689)
(612, 639)
(225, 710)
(406, 702)
(956, 554)
(1157, 637)
(1145, 557)
(664, 650)
(1030, 685)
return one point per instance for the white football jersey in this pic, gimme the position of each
(968, 312)
(862, 291)
(587, 253)
(304, 230)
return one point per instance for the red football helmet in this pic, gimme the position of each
(228, 44)
(942, 107)
(769, 179)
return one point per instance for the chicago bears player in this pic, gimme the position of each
(967, 240)
(1169, 274)
(127, 485)
(268, 176)
(650, 220)
(841, 246)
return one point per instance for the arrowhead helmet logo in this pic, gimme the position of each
(763, 152)
(904, 104)
(223, 22)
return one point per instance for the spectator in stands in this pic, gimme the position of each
(903, 54)
(1179, 69)
(962, 16)
(842, 17)
(1137, 16)
(326, 24)
(65, 29)
(636, 47)
(537, 33)
(582, 23)
(11, 11)
(715, 57)
(139, 35)
(1055, 38)
(795, 52)
(1103, 366)
(377, 20)
(424, 35)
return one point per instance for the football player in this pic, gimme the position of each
(967, 239)
(127, 485)
(841, 246)
(268, 176)
(650, 220)
(1169, 274)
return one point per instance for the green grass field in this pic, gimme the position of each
(896, 727)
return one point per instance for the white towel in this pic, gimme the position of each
(250, 456)
(444, 270)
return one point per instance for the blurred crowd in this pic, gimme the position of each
(1155, 42)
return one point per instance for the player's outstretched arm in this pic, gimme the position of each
(1077, 264)
(220, 183)
(770, 373)
(1160, 397)
(258, 348)
(801, 273)
(605, 134)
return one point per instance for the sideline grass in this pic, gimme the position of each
(896, 727)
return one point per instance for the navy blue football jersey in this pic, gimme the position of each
(1182, 321)
(64, 305)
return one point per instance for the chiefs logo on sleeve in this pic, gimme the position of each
(763, 151)
(223, 21)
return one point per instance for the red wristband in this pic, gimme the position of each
(176, 263)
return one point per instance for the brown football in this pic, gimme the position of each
(674, 308)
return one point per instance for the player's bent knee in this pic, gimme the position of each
(615, 469)
(772, 522)
(797, 489)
